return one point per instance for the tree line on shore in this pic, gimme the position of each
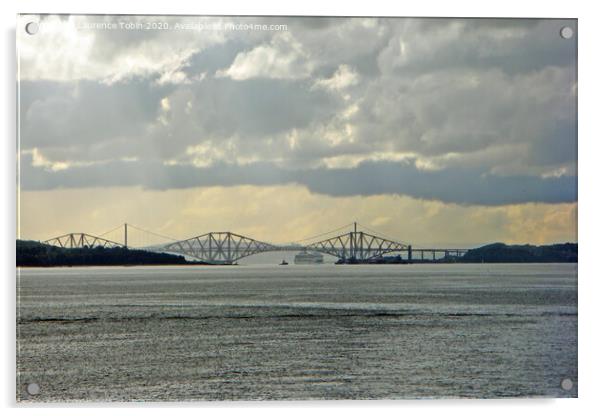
(502, 253)
(35, 254)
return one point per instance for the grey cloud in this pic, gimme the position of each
(478, 96)
(457, 186)
(556, 145)
(86, 113)
(510, 45)
(214, 57)
(466, 111)
(93, 120)
(335, 41)
(254, 114)
(462, 186)
(258, 106)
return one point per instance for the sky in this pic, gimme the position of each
(432, 131)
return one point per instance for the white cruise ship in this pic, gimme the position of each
(305, 257)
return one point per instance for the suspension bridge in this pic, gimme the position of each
(354, 245)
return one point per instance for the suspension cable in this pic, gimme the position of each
(379, 234)
(110, 231)
(151, 232)
(323, 234)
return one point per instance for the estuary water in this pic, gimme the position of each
(297, 332)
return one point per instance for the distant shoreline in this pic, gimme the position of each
(121, 265)
(33, 254)
(36, 254)
(274, 264)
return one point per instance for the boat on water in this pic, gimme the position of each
(307, 257)
(284, 263)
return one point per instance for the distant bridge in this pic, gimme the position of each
(219, 247)
(227, 247)
(81, 240)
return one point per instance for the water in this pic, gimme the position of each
(297, 332)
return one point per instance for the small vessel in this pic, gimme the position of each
(284, 263)
(305, 257)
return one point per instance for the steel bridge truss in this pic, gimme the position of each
(81, 240)
(218, 247)
(228, 247)
(358, 245)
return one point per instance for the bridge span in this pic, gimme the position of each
(225, 247)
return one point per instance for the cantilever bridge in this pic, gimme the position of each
(227, 247)
(80, 240)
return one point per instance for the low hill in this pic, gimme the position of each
(36, 254)
(502, 253)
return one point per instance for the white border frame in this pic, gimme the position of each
(590, 288)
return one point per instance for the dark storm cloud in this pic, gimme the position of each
(461, 186)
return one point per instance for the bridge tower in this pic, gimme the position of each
(357, 246)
